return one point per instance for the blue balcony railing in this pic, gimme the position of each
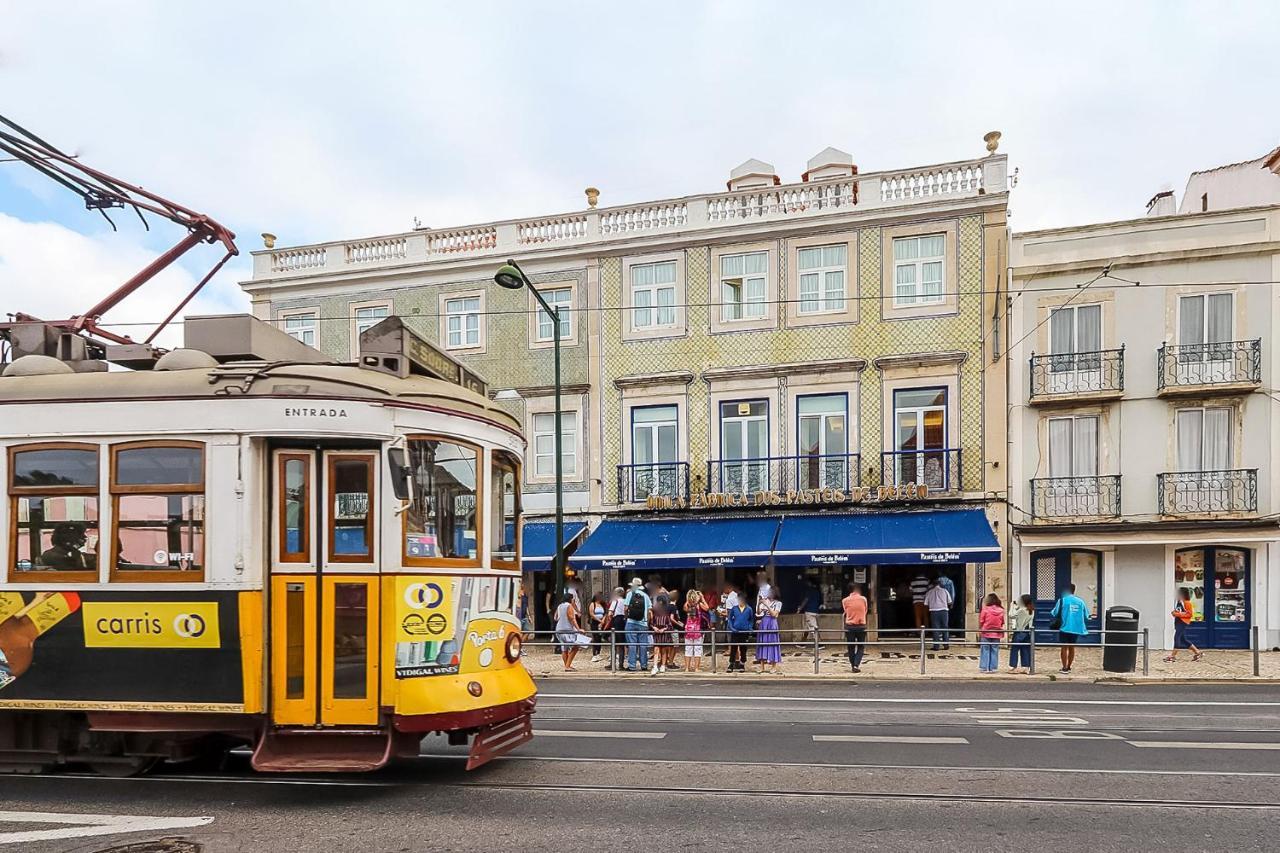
(938, 469)
(637, 483)
(784, 473)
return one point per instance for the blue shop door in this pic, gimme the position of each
(1051, 571)
(1218, 580)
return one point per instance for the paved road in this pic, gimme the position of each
(785, 765)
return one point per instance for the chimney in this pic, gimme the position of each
(1272, 161)
(753, 174)
(829, 163)
(1162, 204)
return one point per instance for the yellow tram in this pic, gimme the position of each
(246, 544)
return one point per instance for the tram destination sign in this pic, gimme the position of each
(791, 497)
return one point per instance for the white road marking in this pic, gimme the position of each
(1182, 744)
(586, 733)
(896, 701)
(886, 739)
(89, 825)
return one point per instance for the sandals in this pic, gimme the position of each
(1197, 656)
(1172, 659)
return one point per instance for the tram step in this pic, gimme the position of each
(309, 750)
(498, 739)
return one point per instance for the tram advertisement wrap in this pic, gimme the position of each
(446, 625)
(106, 646)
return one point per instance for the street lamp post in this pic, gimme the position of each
(512, 277)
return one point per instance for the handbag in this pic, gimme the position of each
(1055, 624)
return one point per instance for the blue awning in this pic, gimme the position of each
(678, 543)
(936, 536)
(540, 543)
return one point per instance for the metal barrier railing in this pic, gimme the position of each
(717, 640)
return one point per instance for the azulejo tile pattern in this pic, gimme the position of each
(869, 338)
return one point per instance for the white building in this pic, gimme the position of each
(1143, 420)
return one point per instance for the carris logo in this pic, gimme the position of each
(189, 625)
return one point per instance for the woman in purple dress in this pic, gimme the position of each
(768, 643)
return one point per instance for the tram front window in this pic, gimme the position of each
(442, 522)
(504, 503)
(54, 490)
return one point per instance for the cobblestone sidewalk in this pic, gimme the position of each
(902, 661)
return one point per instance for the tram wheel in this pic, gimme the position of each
(124, 766)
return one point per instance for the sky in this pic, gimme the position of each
(325, 121)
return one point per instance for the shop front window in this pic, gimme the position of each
(442, 521)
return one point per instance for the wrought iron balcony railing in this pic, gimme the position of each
(1076, 497)
(1201, 492)
(1200, 365)
(937, 469)
(783, 473)
(637, 483)
(1073, 373)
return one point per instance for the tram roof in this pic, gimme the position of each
(229, 381)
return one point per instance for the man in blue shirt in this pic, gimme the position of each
(810, 606)
(741, 621)
(1072, 613)
(636, 607)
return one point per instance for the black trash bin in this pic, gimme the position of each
(1121, 651)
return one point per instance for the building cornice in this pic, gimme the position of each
(795, 368)
(920, 359)
(548, 390)
(651, 380)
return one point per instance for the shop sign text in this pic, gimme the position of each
(792, 497)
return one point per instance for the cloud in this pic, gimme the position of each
(50, 271)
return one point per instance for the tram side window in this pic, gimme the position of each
(504, 507)
(443, 520)
(158, 503)
(53, 491)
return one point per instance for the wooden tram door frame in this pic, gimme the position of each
(308, 585)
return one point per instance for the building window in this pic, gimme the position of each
(301, 326)
(544, 444)
(655, 453)
(1073, 446)
(53, 494)
(462, 322)
(823, 270)
(744, 446)
(561, 299)
(442, 522)
(1205, 320)
(368, 316)
(1204, 439)
(918, 269)
(158, 509)
(504, 497)
(653, 295)
(822, 442)
(920, 436)
(742, 286)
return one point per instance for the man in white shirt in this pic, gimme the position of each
(938, 600)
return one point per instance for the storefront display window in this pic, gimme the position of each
(1188, 574)
(1229, 586)
(1218, 581)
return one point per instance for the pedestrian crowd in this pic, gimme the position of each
(652, 624)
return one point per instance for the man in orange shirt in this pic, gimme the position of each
(855, 625)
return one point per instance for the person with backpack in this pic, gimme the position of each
(1184, 614)
(637, 608)
(1069, 618)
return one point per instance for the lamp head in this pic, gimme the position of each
(509, 277)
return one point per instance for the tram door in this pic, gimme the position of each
(324, 588)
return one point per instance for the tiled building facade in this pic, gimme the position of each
(835, 333)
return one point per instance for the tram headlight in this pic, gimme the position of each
(514, 642)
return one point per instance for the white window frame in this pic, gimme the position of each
(1074, 464)
(569, 443)
(296, 313)
(446, 315)
(652, 292)
(919, 451)
(918, 297)
(1204, 445)
(540, 321)
(359, 325)
(822, 298)
(1204, 317)
(736, 310)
